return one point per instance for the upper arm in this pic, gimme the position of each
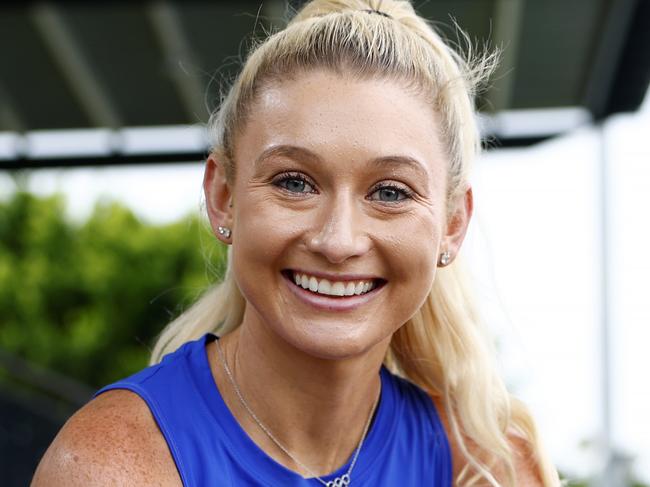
(113, 440)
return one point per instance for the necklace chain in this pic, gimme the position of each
(342, 481)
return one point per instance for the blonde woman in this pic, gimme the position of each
(341, 348)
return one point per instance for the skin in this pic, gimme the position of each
(288, 352)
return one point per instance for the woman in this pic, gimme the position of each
(338, 176)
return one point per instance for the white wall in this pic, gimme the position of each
(536, 249)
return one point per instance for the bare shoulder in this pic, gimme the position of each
(528, 474)
(526, 467)
(112, 440)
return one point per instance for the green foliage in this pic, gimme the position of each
(88, 300)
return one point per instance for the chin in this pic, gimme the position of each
(334, 342)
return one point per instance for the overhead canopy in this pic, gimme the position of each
(73, 65)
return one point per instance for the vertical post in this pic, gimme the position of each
(615, 467)
(605, 479)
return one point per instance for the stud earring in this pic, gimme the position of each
(224, 232)
(445, 258)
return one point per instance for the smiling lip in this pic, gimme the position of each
(331, 303)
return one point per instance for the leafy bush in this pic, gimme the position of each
(88, 300)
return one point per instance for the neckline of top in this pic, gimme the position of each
(262, 465)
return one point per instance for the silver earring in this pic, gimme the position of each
(445, 258)
(224, 232)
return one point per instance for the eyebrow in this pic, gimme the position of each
(300, 153)
(290, 151)
(415, 164)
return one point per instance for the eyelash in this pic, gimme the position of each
(291, 176)
(405, 192)
(295, 176)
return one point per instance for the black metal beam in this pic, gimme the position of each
(615, 71)
(494, 143)
(632, 77)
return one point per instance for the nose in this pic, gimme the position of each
(339, 231)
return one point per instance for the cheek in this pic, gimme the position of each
(257, 245)
(263, 231)
(414, 241)
(413, 256)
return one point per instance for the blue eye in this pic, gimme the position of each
(390, 194)
(294, 183)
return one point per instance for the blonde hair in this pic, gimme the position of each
(441, 348)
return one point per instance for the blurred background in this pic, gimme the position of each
(102, 239)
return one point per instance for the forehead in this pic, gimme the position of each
(337, 115)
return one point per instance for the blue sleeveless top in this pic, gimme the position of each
(406, 444)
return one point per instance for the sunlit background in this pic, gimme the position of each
(558, 248)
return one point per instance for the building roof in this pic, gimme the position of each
(117, 64)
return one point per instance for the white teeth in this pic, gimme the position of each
(358, 288)
(338, 288)
(324, 287)
(349, 289)
(313, 284)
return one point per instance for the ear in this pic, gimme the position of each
(218, 196)
(460, 214)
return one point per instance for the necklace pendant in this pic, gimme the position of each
(341, 481)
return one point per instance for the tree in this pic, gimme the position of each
(88, 300)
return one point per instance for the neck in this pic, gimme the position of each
(315, 408)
